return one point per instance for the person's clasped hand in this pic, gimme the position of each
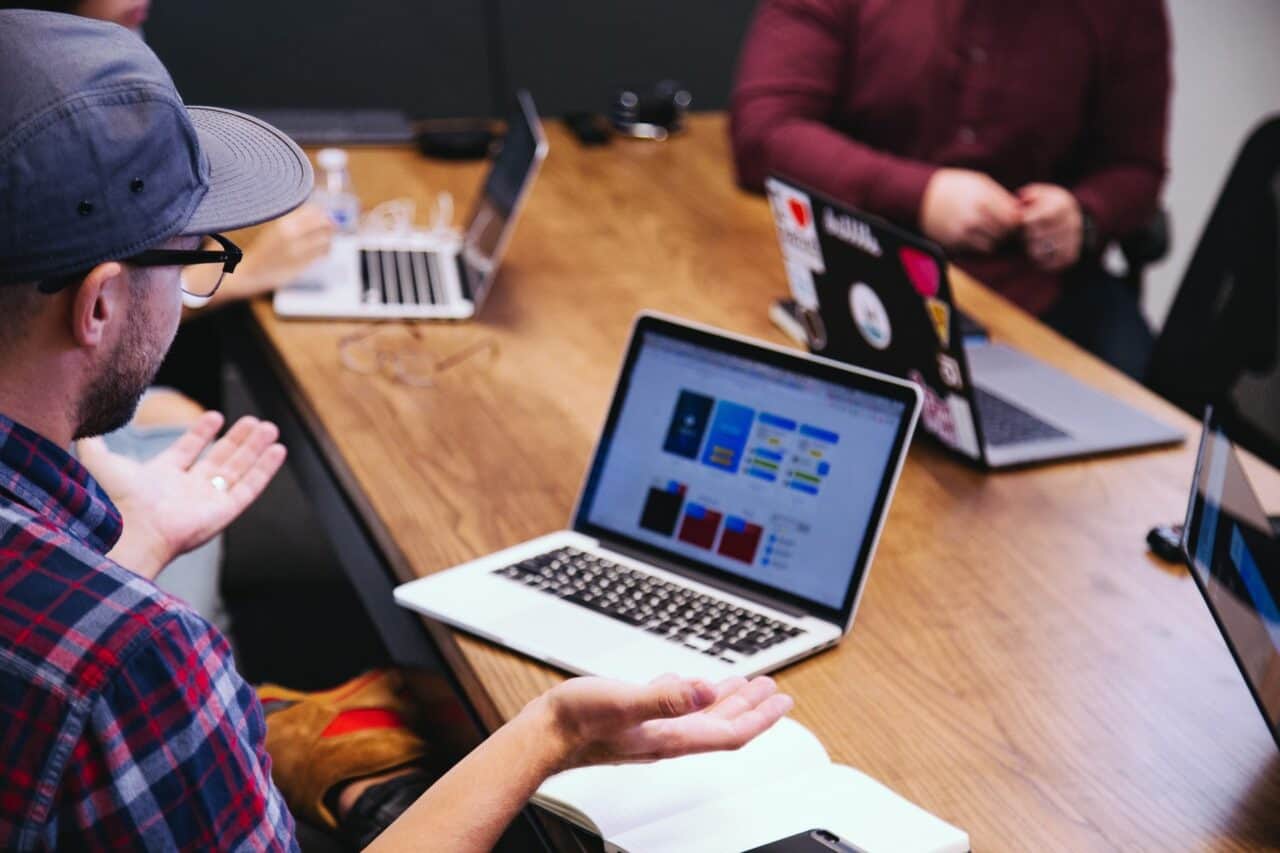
(600, 721)
(1052, 226)
(964, 210)
(180, 499)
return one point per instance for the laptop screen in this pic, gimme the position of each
(489, 228)
(760, 471)
(1235, 557)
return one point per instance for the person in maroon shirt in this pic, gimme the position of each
(1022, 137)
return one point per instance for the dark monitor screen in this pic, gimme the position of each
(1234, 554)
(488, 229)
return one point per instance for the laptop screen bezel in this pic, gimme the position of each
(884, 386)
(1195, 517)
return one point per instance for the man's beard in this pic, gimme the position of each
(112, 399)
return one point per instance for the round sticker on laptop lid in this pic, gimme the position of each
(869, 316)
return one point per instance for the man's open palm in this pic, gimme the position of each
(181, 499)
(612, 722)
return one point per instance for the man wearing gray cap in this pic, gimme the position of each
(123, 722)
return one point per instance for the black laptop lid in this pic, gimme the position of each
(878, 297)
(1234, 555)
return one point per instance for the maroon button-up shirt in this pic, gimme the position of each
(866, 98)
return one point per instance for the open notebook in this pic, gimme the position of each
(780, 784)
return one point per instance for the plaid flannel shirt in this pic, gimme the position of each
(123, 722)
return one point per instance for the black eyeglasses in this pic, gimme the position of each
(229, 256)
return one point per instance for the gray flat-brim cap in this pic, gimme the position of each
(100, 159)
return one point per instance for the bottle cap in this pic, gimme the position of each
(332, 159)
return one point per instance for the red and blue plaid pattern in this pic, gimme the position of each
(123, 722)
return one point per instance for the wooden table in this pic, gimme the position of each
(1020, 665)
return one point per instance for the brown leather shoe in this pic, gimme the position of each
(319, 740)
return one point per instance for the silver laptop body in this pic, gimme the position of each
(726, 524)
(872, 294)
(427, 275)
(1085, 421)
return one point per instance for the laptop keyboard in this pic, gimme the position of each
(401, 277)
(697, 621)
(1004, 423)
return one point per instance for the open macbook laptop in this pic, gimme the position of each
(725, 526)
(428, 274)
(875, 295)
(1233, 549)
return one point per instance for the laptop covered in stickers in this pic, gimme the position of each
(877, 296)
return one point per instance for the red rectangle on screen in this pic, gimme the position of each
(740, 540)
(700, 525)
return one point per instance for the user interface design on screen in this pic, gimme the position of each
(1235, 555)
(512, 170)
(767, 474)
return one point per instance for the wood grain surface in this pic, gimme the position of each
(1020, 665)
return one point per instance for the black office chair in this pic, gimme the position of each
(1144, 247)
(1219, 344)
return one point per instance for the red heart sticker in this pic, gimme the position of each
(799, 212)
(922, 269)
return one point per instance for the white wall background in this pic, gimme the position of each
(1226, 65)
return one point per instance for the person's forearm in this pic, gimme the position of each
(142, 554)
(471, 806)
(792, 75)
(813, 153)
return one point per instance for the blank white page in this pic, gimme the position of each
(618, 798)
(833, 797)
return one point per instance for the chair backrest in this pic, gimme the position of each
(1221, 340)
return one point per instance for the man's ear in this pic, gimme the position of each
(99, 299)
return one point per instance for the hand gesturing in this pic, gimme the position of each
(179, 500)
(611, 722)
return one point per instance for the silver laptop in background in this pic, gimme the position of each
(726, 524)
(872, 294)
(428, 275)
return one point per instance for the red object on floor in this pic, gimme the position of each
(361, 719)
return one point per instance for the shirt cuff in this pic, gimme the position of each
(1093, 204)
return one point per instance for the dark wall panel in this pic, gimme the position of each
(423, 56)
(573, 54)
(429, 57)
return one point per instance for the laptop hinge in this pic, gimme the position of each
(693, 574)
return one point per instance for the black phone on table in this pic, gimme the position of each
(811, 841)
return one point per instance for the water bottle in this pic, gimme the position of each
(334, 191)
